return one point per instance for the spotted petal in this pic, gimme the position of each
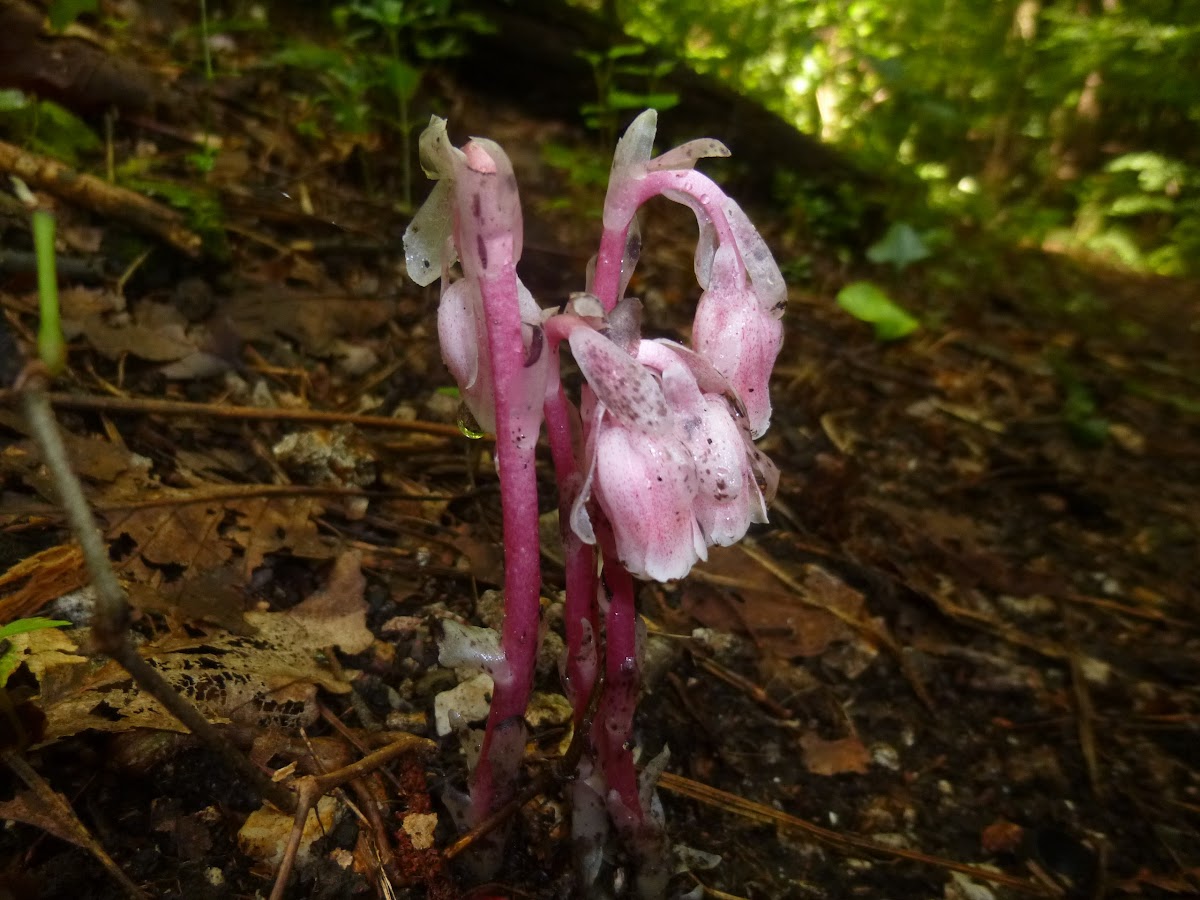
(646, 486)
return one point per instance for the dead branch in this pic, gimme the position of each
(100, 197)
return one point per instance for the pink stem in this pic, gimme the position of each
(579, 675)
(624, 206)
(613, 729)
(517, 426)
(607, 279)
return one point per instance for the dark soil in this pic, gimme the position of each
(1003, 509)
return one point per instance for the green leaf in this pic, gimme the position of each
(34, 623)
(62, 134)
(868, 303)
(12, 100)
(901, 246)
(63, 12)
(401, 79)
(8, 653)
(308, 56)
(624, 51)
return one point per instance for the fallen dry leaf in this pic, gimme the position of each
(334, 616)
(29, 808)
(266, 831)
(267, 525)
(164, 344)
(836, 757)
(1001, 836)
(201, 536)
(315, 320)
(187, 535)
(780, 623)
(268, 678)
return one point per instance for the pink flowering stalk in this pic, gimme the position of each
(671, 467)
(657, 464)
(492, 342)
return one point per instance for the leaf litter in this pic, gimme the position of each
(939, 524)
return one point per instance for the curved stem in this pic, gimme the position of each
(622, 206)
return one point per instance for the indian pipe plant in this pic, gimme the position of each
(654, 463)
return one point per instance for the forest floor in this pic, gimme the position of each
(962, 660)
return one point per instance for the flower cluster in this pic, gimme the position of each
(667, 465)
(670, 454)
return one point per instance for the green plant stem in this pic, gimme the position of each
(51, 347)
(208, 69)
(110, 619)
(405, 126)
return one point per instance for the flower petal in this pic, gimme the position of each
(661, 352)
(646, 486)
(760, 265)
(426, 239)
(726, 493)
(739, 337)
(439, 157)
(465, 351)
(637, 143)
(629, 390)
(581, 520)
(633, 151)
(685, 155)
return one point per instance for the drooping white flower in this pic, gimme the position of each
(670, 462)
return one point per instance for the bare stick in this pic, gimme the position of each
(98, 195)
(312, 787)
(110, 621)
(66, 816)
(248, 413)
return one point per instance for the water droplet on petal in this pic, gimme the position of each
(468, 424)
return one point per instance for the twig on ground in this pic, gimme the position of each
(101, 197)
(863, 626)
(110, 620)
(251, 413)
(311, 788)
(748, 809)
(66, 817)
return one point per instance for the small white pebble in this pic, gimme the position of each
(886, 757)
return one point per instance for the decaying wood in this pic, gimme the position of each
(102, 198)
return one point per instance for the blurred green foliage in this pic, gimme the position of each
(871, 304)
(1069, 124)
(625, 82)
(371, 76)
(61, 13)
(45, 127)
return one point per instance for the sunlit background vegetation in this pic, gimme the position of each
(1069, 125)
(1072, 125)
